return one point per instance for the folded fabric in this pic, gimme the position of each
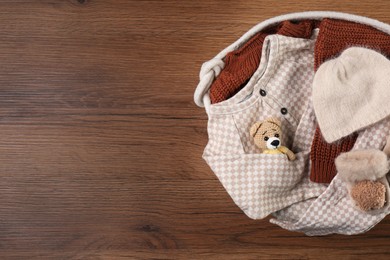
(334, 211)
(350, 92)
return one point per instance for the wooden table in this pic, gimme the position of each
(101, 143)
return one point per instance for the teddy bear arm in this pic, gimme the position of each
(290, 155)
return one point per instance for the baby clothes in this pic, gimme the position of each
(355, 83)
(261, 184)
(242, 63)
(334, 211)
(334, 37)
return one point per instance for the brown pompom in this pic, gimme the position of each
(369, 195)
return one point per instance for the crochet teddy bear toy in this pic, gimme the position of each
(267, 136)
(365, 171)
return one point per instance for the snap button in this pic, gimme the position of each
(284, 111)
(263, 93)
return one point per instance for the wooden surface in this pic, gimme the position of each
(101, 143)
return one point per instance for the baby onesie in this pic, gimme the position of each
(261, 184)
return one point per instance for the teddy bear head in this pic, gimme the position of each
(267, 134)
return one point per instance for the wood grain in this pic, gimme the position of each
(101, 143)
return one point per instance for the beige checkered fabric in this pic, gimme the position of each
(334, 211)
(261, 184)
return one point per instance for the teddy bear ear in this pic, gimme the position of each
(254, 128)
(274, 120)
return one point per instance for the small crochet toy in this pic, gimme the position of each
(268, 135)
(365, 171)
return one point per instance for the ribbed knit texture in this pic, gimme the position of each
(335, 36)
(324, 154)
(243, 62)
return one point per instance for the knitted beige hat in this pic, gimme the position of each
(351, 92)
